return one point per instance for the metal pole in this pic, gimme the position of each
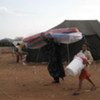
(38, 55)
(90, 51)
(68, 53)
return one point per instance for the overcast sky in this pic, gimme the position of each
(27, 17)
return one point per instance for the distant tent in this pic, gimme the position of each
(6, 43)
(91, 30)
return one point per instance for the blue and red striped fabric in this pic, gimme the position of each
(37, 40)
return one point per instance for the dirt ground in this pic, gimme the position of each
(33, 82)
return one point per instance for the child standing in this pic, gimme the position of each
(17, 53)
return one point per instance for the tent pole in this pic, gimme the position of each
(68, 53)
(38, 55)
(90, 51)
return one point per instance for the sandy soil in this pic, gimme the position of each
(32, 82)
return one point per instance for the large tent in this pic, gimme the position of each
(91, 31)
(6, 43)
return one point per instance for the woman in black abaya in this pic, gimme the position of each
(55, 66)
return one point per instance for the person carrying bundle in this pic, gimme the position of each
(84, 74)
(55, 66)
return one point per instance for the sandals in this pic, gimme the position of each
(93, 88)
(78, 92)
(55, 82)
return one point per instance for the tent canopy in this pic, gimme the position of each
(6, 43)
(91, 30)
(87, 27)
